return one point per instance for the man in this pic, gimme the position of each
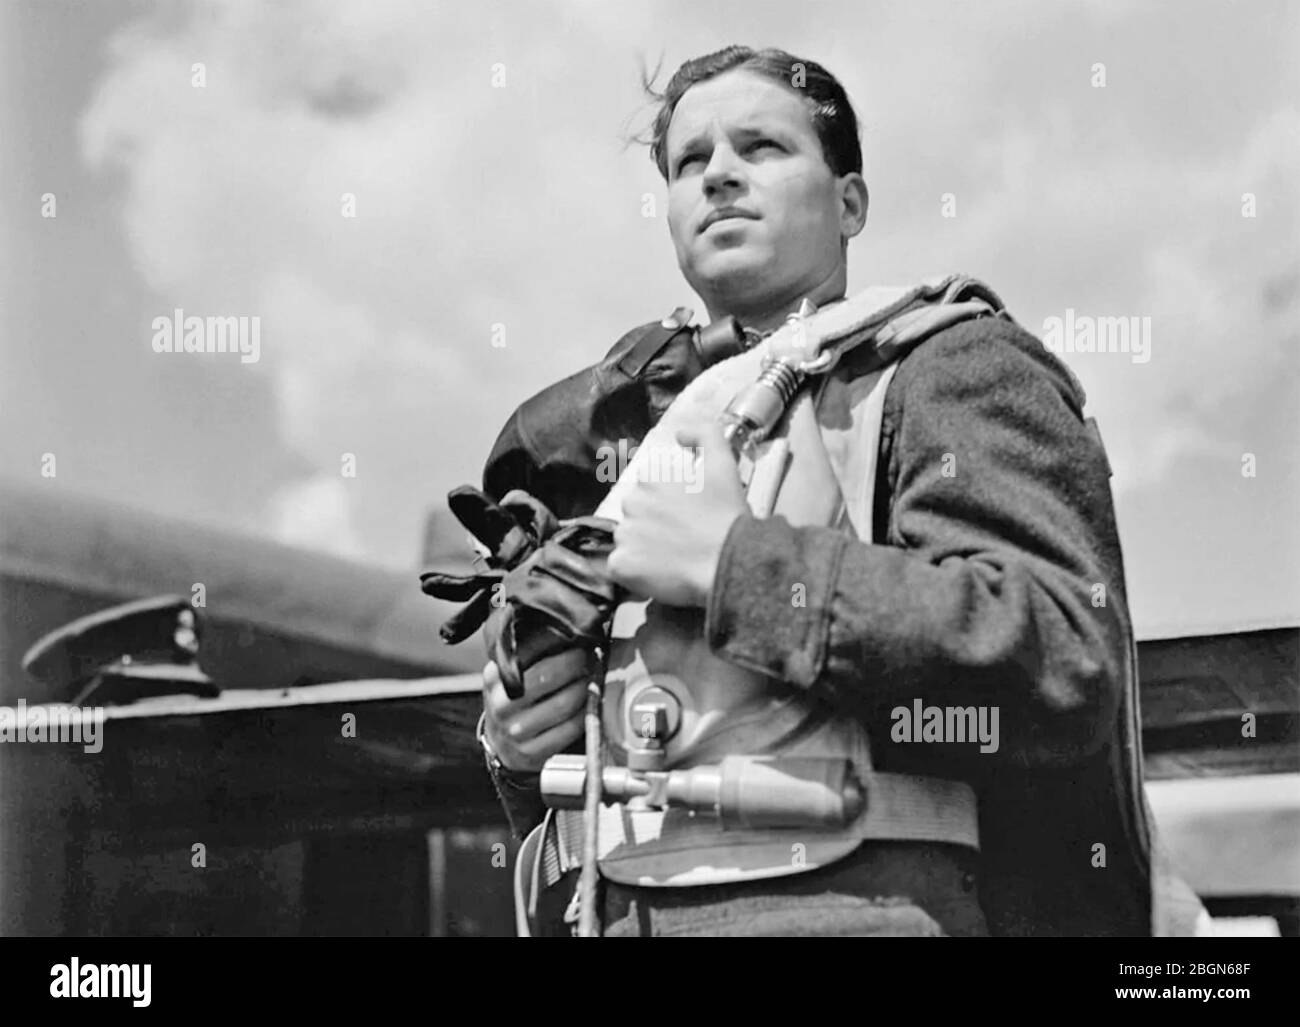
(996, 584)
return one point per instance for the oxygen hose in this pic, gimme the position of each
(754, 412)
(588, 925)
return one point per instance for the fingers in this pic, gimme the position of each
(532, 755)
(705, 434)
(622, 568)
(523, 728)
(526, 731)
(525, 736)
(540, 680)
(555, 672)
(557, 739)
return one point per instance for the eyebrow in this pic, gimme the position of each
(700, 139)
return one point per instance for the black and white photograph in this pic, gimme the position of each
(650, 469)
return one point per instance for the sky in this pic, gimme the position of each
(1109, 159)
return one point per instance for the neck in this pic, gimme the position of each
(770, 312)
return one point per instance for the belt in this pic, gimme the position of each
(900, 807)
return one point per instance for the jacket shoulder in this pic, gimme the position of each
(982, 354)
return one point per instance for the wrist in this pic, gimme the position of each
(704, 577)
(497, 767)
(714, 580)
(520, 793)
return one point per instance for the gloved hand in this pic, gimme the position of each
(511, 532)
(559, 598)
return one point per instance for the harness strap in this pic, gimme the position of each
(900, 807)
(531, 871)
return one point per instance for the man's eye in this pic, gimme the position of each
(759, 144)
(690, 158)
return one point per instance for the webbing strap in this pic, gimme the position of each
(530, 876)
(912, 807)
(900, 807)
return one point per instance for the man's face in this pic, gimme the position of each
(742, 140)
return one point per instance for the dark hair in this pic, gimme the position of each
(832, 114)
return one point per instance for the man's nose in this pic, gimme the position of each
(723, 171)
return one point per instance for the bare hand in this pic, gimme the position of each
(668, 543)
(549, 717)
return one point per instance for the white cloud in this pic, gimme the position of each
(376, 329)
(478, 205)
(316, 514)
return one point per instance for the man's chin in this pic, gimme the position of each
(732, 271)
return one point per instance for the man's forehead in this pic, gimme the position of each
(737, 101)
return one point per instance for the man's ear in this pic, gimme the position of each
(853, 204)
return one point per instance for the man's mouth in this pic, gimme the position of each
(726, 213)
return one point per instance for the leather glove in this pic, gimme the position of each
(511, 532)
(554, 443)
(558, 599)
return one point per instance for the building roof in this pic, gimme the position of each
(275, 615)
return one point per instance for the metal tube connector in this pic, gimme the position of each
(741, 791)
(756, 410)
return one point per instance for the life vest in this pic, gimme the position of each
(647, 848)
(817, 469)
